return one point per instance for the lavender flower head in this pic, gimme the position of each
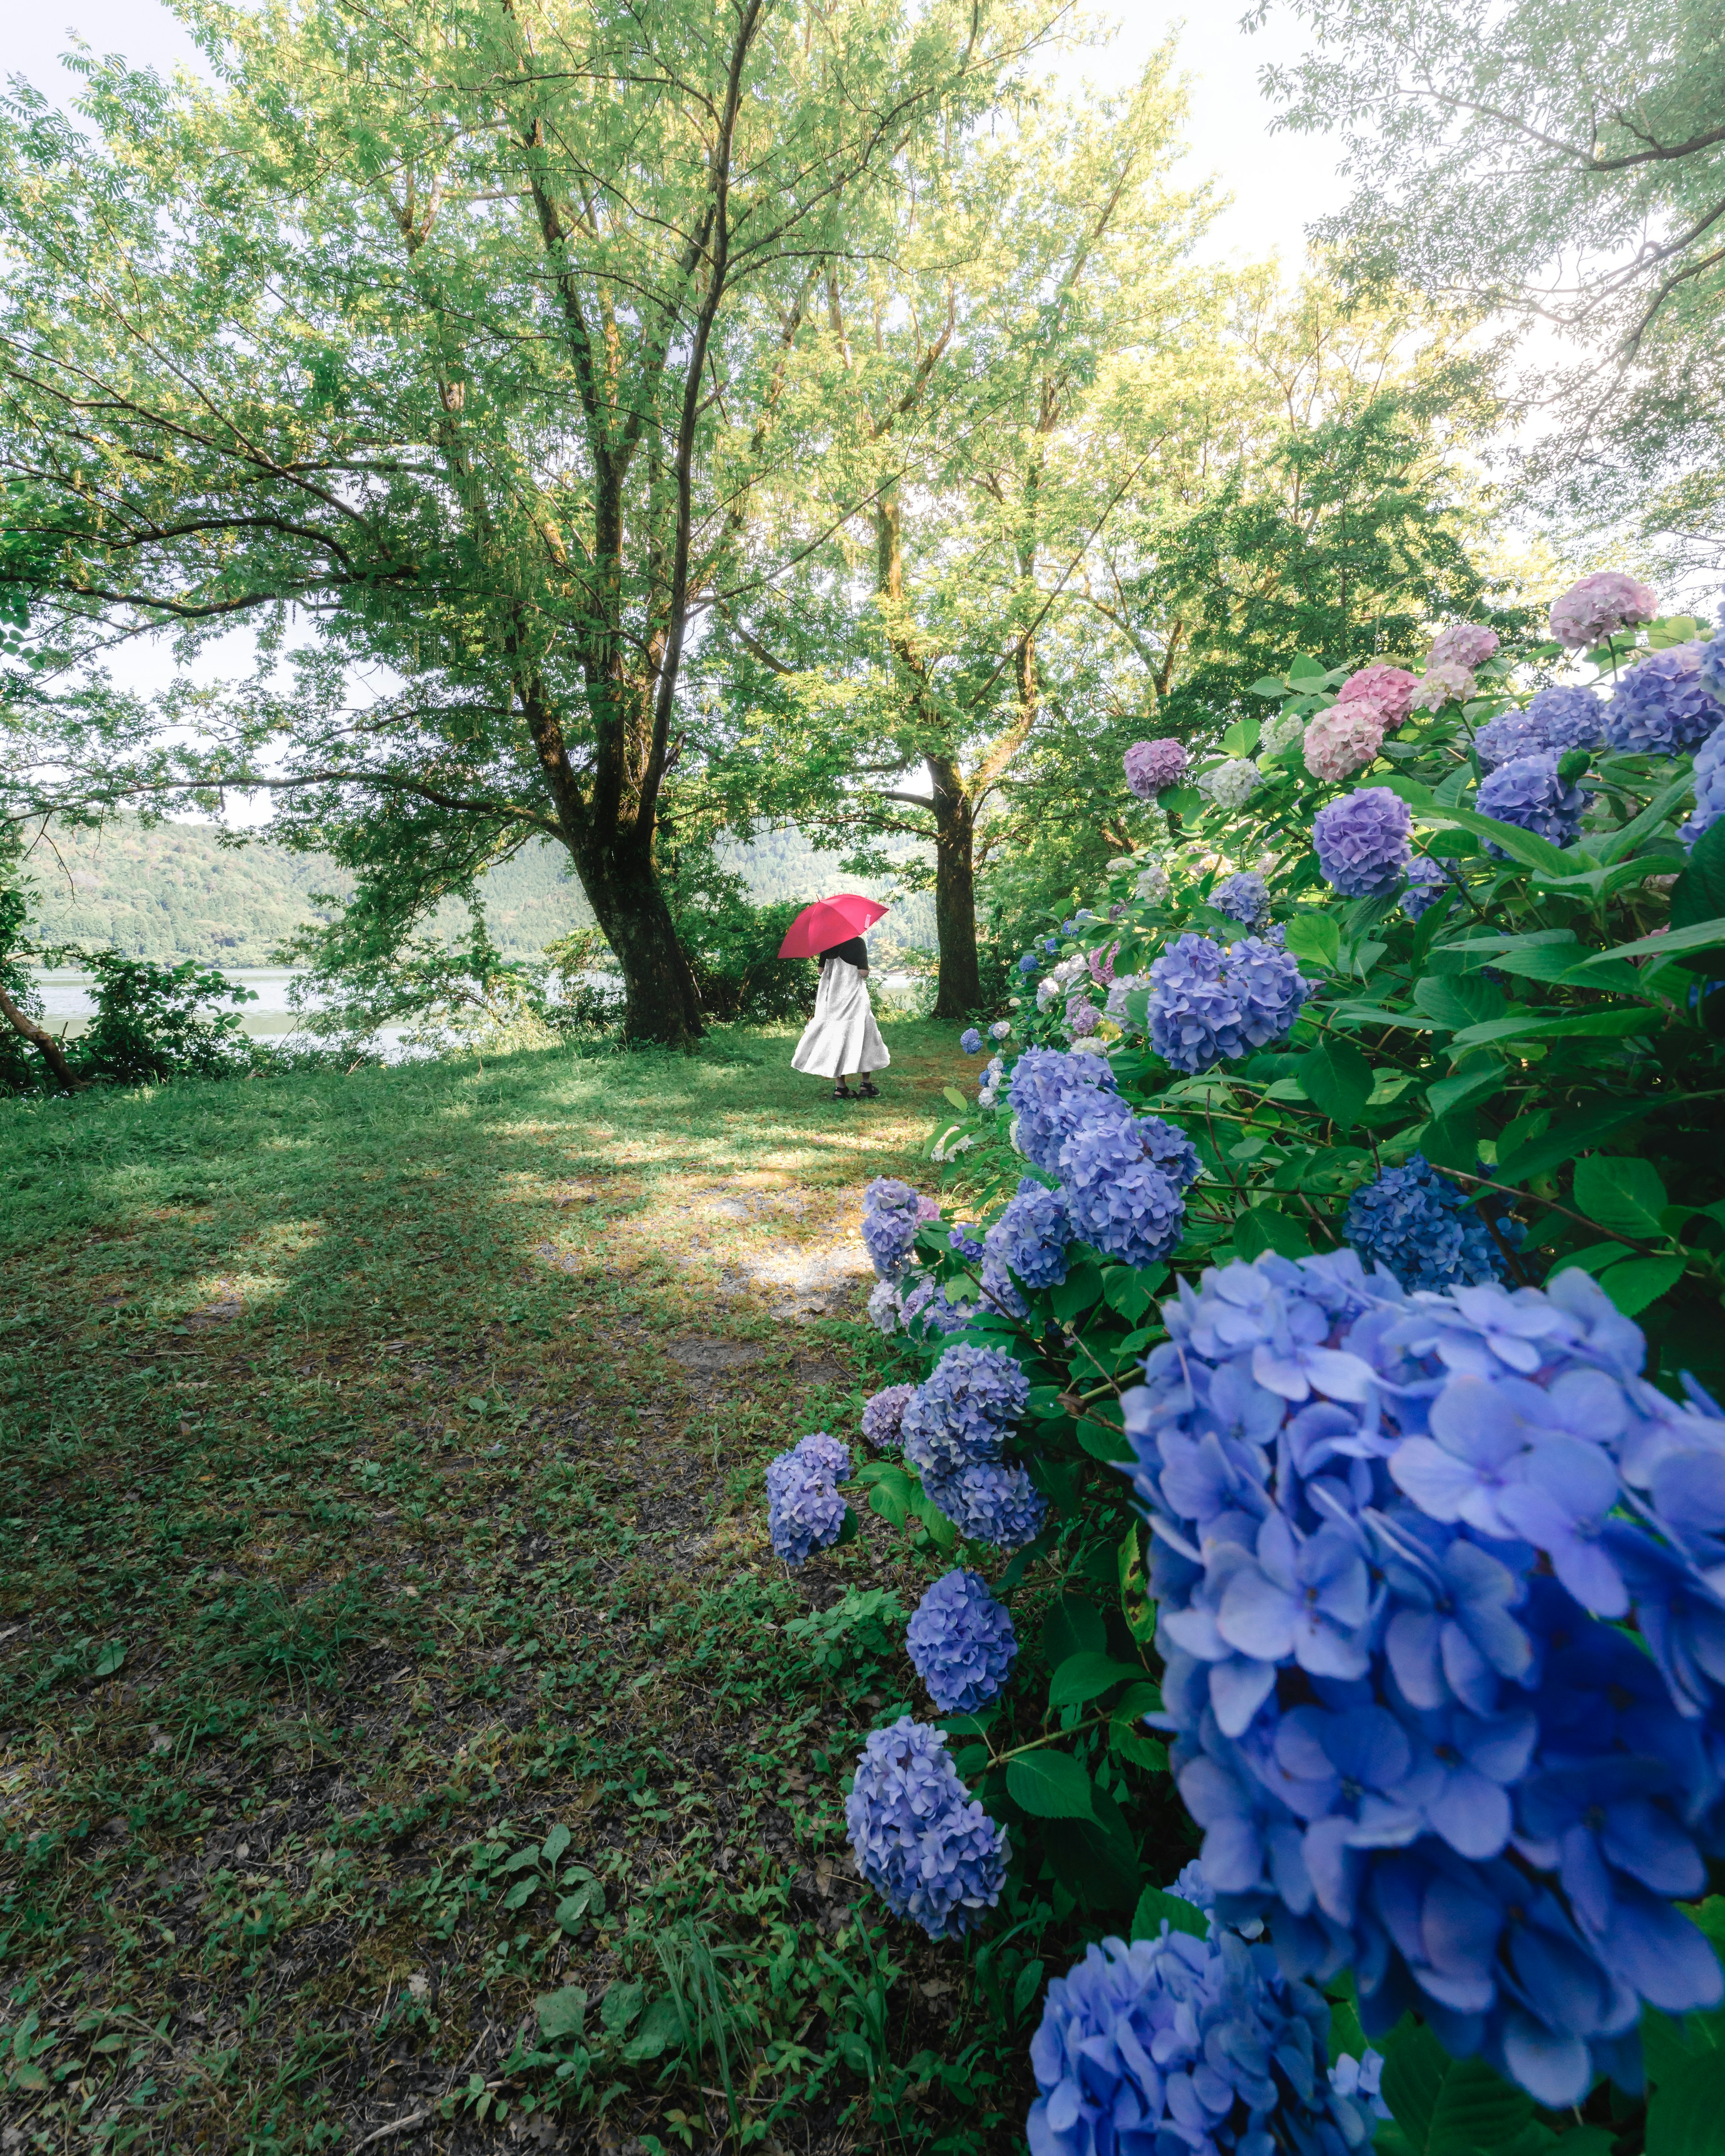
(963, 1411)
(1709, 788)
(963, 1240)
(1177, 2044)
(1051, 1094)
(1206, 1005)
(1462, 643)
(1528, 791)
(1031, 1235)
(1713, 659)
(891, 1219)
(1558, 717)
(1442, 684)
(1121, 1202)
(804, 1511)
(961, 1643)
(1661, 706)
(1152, 765)
(882, 1413)
(1362, 842)
(922, 1842)
(970, 1043)
(989, 1503)
(886, 1307)
(1427, 883)
(1597, 607)
(1082, 1016)
(1267, 986)
(1151, 886)
(1245, 898)
(1419, 1227)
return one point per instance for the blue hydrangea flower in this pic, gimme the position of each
(1661, 706)
(1558, 717)
(999, 1291)
(1031, 1235)
(963, 1240)
(925, 1308)
(1028, 963)
(1361, 2080)
(989, 1503)
(883, 1412)
(1362, 842)
(1051, 946)
(1051, 1094)
(963, 1412)
(1205, 1005)
(889, 1226)
(1245, 898)
(1420, 1226)
(971, 1043)
(1000, 1028)
(1178, 2043)
(1191, 1886)
(922, 1842)
(1712, 659)
(1267, 988)
(1427, 882)
(804, 1511)
(1527, 790)
(1709, 786)
(961, 1643)
(1510, 734)
(1120, 1202)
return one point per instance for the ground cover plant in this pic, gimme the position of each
(406, 1722)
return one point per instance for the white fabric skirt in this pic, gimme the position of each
(842, 1036)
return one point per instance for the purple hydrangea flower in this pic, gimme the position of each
(963, 1240)
(1709, 788)
(961, 1643)
(1510, 734)
(1267, 988)
(1082, 1016)
(1362, 842)
(1559, 717)
(922, 1842)
(1031, 1235)
(1184, 2044)
(1245, 898)
(1420, 1226)
(1463, 643)
(891, 1219)
(1152, 765)
(989, 1503)
(1527, 791)
(1195, 1021)
(1661, 706)
(882, 1413)
(1051, 1094)
(1120, 1201)
(970, 1043)
(926, 1308)
(804, 1511)
(1713, 659)
(1427, 882)
(1599, 606)
(963, 1411)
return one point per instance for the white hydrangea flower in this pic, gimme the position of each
(1090, 1044)
(1152, 884)
(1229, 785)
(1049, 992)
(885, 1310)
(1123, 986)
(1121, 864)
(1282, 732)
(1011, 1137)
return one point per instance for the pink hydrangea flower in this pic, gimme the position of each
(1441, 681)
(927, 1208)
(1343, 739)
(1599, 606)
(1152, 765)
(1462, 643)
(1386, 690)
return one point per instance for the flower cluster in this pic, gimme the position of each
(1395, 1537)
(988, 1092)
(1124, 1178)
(1662, 707)
(1709, 788)
(1597, 607)
(882, 1413)
(1420, 1226)
(1124, 985)
(804, 1511)
(1343, 739)
(1228, 786)
(1286, 731)
(962, 1414)
(1427, 882)
(1462, 643)
(1362, 842)
(1030, 1237)
(1245, 898)
(892, 1215)
(1082, 1016)
(990, 1504)
(922, 1842)
(961, 1643)
(1152, 765)
(970, 1043)
(1206, 1004)
(1386, 691)
(1443, 682)
(1528, 791)
(1051, 1095)
(1151, 886)
(1190, 2044)
(1557, 717)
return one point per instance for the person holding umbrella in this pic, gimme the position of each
(842, 1035)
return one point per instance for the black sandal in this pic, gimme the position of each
(867, 1091)
(842, 1093)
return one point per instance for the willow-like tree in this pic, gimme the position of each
(441, 344)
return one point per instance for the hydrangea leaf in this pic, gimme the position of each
(1314, 938)
(1527, 847)
(1621, 1193)
(1049, 1785)
(1265, 1228)
(1685, 2116)
(1073, 1626)
(1157, 1907)
(1699, 893)
(1637, 1282)
(1455, 1003)
(1563, 1140)
(1086, 1675)
(1616, 1024)
(1076, 1294)
(1708, 935)
(1338, 1080)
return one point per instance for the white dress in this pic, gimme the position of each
(842, 1036)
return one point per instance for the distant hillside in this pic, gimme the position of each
(176, 892)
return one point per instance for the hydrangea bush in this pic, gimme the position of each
(1312, 1422)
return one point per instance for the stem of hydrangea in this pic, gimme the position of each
(1041, 1743)
(1551, 1205)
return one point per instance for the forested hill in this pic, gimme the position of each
(175, 891)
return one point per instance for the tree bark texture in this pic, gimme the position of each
(961, 986)
(41, 1039)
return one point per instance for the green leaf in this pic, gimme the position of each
(1072, 1626)
(1623, 1195)
(957, 1098)
(1703, 935)
(1087, 1676)
(1314, 939)
(1468, 1089)
(1620, 844)
(1156, 1908)
(1265, 1228)
(1639, 1281)
(1338, 1080)
(523, 1892)
(892, 1501)
(1414, 2064)
(110, 1659)
(584, 1906)
(562, 2013)
(1268, 684)
(1131, 1292)
(1568, 1136)
(1049, 1784)
(1456, 1003)
(1080, 1288)
(619, 2006)
(554, 1844)
(849, 1529)
(1520, 846)
(1615, 1023)
(1025, 1986)
(660, 2025)
(1453, 1141)
(1476, 2110)
(1699, 893)
(940, 1531)
(1685, 2116)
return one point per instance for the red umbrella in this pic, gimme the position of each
(827, 922)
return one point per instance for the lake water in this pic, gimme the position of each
(68, 1005)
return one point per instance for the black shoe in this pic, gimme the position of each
(842, 1093)
(866, 1091)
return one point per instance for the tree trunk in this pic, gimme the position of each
(961, 986)
(663, 1005)
(40, 1039)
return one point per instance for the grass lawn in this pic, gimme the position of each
(389, 1639)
